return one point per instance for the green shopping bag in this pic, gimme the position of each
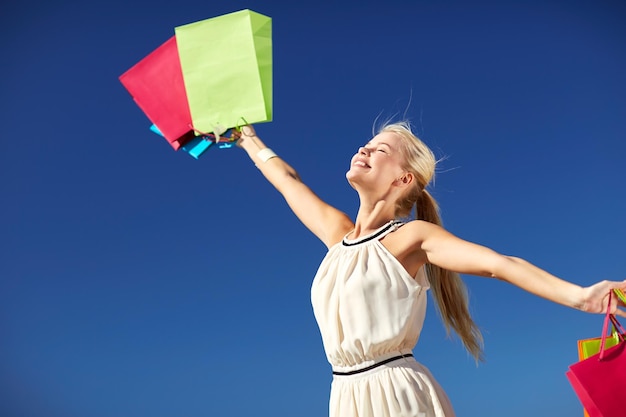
(589, 347)
(227, 69)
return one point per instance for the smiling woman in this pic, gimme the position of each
(369, 293)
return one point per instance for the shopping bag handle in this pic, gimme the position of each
(219, 131)
(616, 325)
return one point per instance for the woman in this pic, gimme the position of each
(369, 294)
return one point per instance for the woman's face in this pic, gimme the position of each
(378, 164)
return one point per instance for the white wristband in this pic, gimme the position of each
(266, 154)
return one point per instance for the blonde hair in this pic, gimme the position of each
(448, 289)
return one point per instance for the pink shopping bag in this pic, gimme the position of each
(600, 380)
(157, 86)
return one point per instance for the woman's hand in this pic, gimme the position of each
(596, 298)
(246, 132)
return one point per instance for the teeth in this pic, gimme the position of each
(360, 163)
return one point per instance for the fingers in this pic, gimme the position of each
(617, 300)
(620, 313)
(248, 131)
(620, 296)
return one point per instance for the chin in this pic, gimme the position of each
(352, 178)
(351, 175)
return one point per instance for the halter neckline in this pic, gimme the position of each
(376, 233)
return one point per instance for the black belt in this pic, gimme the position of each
(376, 365)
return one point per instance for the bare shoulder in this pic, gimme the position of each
(408, 239)
(415, 231)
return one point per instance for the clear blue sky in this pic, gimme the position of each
(136, 281)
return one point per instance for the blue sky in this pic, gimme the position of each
(136, 281)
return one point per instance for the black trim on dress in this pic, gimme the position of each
(374, 236)
(376, 365)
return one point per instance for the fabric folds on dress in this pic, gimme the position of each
(368, 309)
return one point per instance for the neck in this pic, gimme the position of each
(372, 215)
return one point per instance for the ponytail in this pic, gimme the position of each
(448, 289)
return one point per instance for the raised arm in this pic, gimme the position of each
(447, 251)
(325, 221)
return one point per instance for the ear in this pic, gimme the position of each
(406, 179)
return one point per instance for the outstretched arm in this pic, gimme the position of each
(325, 221)
(447, 251)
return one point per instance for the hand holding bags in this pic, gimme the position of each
(212, 76)
(600, 380)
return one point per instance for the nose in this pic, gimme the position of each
(363, 151)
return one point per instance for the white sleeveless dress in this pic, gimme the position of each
(369, 310)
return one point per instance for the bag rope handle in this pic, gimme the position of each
(605, 327)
